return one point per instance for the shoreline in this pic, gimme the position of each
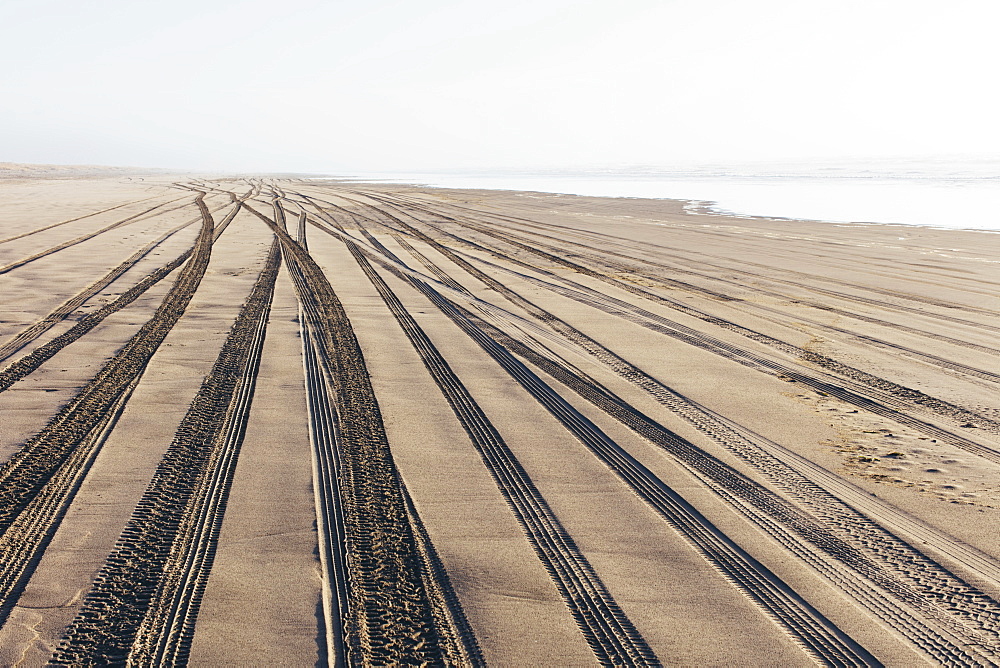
(711, 202)
(841, 200)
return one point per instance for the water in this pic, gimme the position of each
(950, 193)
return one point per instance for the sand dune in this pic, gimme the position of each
(258, 421)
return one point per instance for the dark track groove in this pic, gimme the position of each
(36, 329)
(897, 392)
(447, 609)
(86, 237)
(770, 271)
(817, 635)
(73, 220)
(750, 447)
(631, 270)
(884, 392)
(890, 545)
(38, 482)
(144, 603)
(608, 631)
(26, 364)
(391, 614)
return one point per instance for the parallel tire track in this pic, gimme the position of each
(330, 525)
(145, 601)
(820, 638)
(86, 237)
(896, 391)
(329, 510)
(608, 631)
(908, 564)
(630, 271)
(776, 316)
(885, 392)
(450, 620)
(23, 366)
(73, 220)
(44, 474)
(816, 634)
(33, 331)
(770, 277)
(797, 477)
(390, 616)
(933, 580)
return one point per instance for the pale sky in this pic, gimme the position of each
(375, 85)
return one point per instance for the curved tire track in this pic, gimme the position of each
(86, 237)
(143, 606)
(915, 632)
(610, 634)
(390, 614)
(23, 366)
(45, 473)
(815, 633)
(883, 390)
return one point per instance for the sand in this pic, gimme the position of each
(701, 440)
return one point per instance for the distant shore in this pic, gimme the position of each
(935, 197)
(950, 196)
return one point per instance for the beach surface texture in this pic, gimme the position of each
(283, 421)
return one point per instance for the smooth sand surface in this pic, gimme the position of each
(264, 585)
(820, 398)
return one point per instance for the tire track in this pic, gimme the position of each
(43, 476)
(23, 366)
(28, 536)
(790, 472)
(899, 556)
(816, 635)
(452, 625)
(78, 240)
(331, 527)
(390, 615)
(144, 603)
(935, 360)
(880, 405)
(764, 455)
(167, 630)
(932, 404)
(886, 390)
(770, 269)
(631, 270)
(881, 388)
(944, 643)
(489, 310)
(326, 467)
(567, 288)
(36, 329)
(928, 358)
(610, 634)
(419, 205)
(674, 304)
(447, 609)
(73, 220)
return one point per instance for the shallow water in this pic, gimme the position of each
(952, 195)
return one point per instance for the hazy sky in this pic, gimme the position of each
(336, 86)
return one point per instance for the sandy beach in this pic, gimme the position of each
(289, 421)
